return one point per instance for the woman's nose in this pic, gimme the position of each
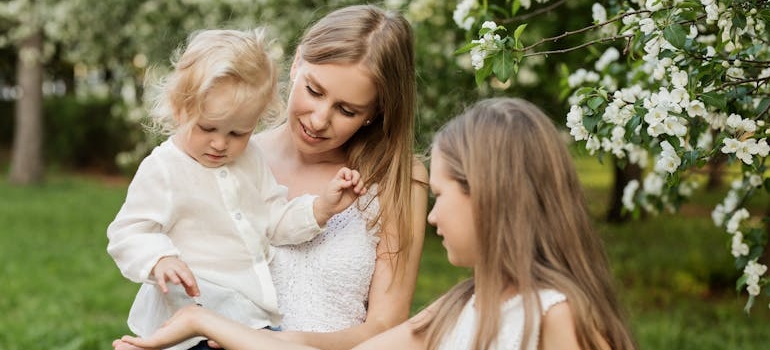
(320, 118)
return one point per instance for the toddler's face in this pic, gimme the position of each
(222, 133)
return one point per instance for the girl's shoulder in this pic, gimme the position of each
(419, 170)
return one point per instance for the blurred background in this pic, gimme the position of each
(69, 147)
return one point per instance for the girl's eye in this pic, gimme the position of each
(311, 91)
(206, 129)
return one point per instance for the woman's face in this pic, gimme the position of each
(452, 214)
(328, 103)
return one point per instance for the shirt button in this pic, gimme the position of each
(223, 174)
(238, 216)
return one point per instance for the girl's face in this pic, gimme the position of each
(222, 133)
(328, 103)
(452, 214)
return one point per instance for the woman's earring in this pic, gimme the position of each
(367, 122)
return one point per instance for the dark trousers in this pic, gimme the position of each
(203, 345)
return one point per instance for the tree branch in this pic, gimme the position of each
(586, 44)
(591, 27)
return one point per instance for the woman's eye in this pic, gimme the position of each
(347, 112)
(311, 91)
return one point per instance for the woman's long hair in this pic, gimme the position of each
(383, 151)
(533, 227)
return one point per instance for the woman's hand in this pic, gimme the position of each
(178, 328)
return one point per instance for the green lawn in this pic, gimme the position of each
(61, 290)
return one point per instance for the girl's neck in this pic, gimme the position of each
(507, 293)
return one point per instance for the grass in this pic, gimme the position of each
(61, 290)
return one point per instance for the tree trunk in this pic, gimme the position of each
(621, 175)
(716, 171)
(27, 157)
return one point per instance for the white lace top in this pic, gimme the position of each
(323, 284)
(512, 324)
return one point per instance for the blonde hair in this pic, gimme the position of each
(382, 42)
(213, 58)
(532, 223)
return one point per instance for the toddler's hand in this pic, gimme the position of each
(171, 269)
(339, 194)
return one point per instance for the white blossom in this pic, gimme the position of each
(628, 194)
(647, 25)
(679, 79)
(461, 14)
(610, 55)
(598, 13)
(735, 220)
(668, 161)
(738, 247)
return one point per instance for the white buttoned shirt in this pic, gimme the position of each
(220, 221)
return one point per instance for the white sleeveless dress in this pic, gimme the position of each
(323, 285)
(512, 324)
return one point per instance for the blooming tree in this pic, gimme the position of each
(674, 84)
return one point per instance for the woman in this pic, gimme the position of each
(351, 103)
(518, 218)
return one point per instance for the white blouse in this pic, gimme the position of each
(511, 324)
(220, 221)
(323, 285)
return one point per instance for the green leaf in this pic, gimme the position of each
(518, 31)
(762, 107)
(503, 66)
(466, 48)
(714, 99)
(515, 7)
(483, 73)
(741, 282)
(595, 102)
(676, 35)
(749, 304)
(590, 122)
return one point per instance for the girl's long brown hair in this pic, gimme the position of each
(533, 227)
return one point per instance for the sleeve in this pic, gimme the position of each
(136, 237)
(290, 221)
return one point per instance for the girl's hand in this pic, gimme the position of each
(171, 269)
